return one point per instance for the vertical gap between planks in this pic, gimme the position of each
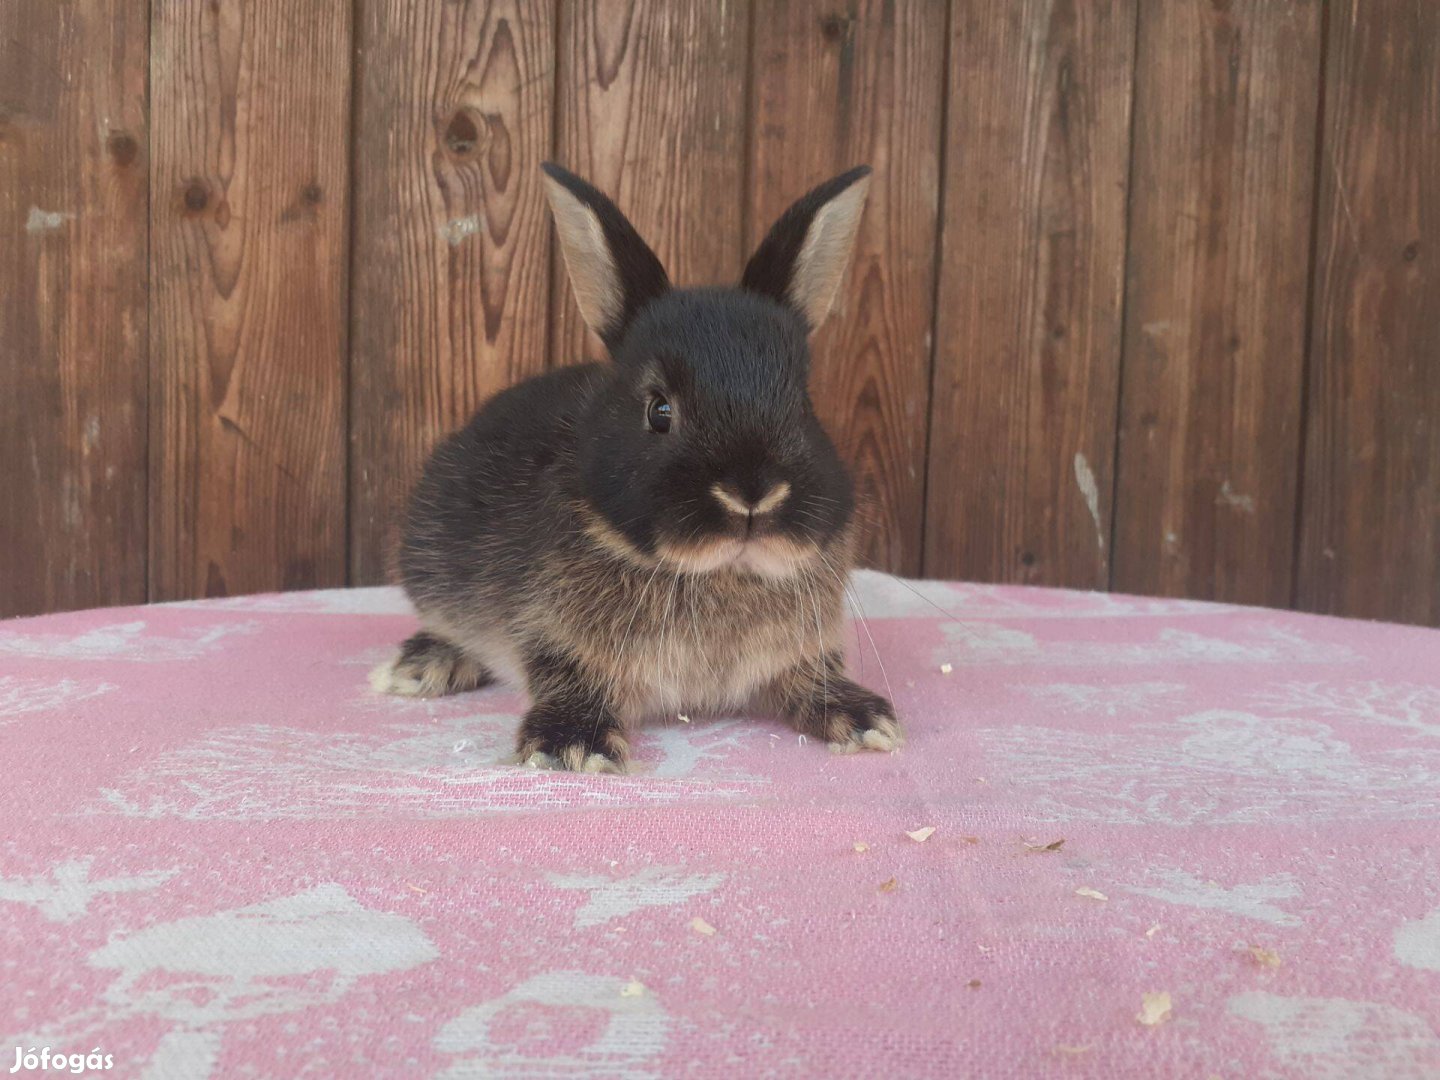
(1312, 285)
(556, 277)
(348, 373)
(145, 555)
(938, 264)
(747, 159)
(1120, 357)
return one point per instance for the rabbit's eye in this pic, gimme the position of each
(657, 416)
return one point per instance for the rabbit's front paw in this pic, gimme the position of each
(429, 666)
(572, 744)
(572, 758)
(856, 719)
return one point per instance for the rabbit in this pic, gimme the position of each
(670, 531)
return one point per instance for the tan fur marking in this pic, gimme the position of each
(431, 679)
(778, 557)
(599, 763)
(601, 531)
(889, 729)
(573, 758)
(821, 264)
(885, 735)
(838, 729)
(618, 747)
(384, 679)
(769, 557)
(699, 558)
(587, 257)
(773, 498)
(727, 498)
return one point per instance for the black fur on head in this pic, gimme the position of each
(701, 446)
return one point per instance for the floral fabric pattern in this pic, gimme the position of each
(225, 856)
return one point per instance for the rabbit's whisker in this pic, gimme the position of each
(854, 596)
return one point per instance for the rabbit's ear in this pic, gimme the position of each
(803, 258)
(613, 272)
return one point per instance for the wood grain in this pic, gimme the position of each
(1370, 535)
(249, 215)
(1217, 281)
(204, 378)
(73, 135)
(451, 256)
(1028, 320)
(835, 86)
(651, 110)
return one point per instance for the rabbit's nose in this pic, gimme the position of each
(731, 499)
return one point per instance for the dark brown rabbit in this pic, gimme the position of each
(669, 532)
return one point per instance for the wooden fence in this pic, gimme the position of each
(1147, 296)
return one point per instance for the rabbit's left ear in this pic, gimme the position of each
(803, 258)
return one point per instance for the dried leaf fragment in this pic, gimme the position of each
(1264, 957)
(1054, 845)
(1093, 894)
(974, 984)
(1154, 1008)
(634, 988)
(700, 926)
(860, 845)
(970, 839)
(889, 886)
(921, 835)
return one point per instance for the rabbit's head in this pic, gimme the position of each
(700, 448)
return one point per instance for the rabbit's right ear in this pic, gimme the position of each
(614, 273)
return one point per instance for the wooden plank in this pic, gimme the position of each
(651, 110)
(1028, 320)
(73, 228)
(1370, 536)
(1216, 287)
(833, 89)
(248, 295)
(451, 257)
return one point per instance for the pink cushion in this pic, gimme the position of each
(224, 855)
